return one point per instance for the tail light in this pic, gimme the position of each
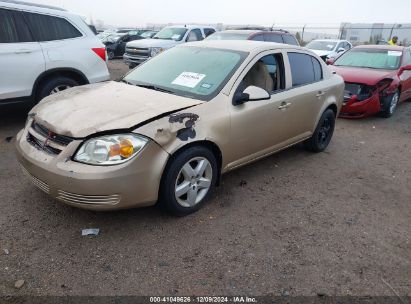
(101, 52)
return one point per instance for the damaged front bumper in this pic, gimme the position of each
(132, 184)
(354, 108)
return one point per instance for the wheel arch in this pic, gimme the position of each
(213, 147)
(66, 72)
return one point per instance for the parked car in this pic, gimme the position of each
(257, 35)
(170, 36)
(377, 78)
(168, 134)
(329, 48)
(116, 45)
(44, 50)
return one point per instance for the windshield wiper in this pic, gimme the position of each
(125, 81)
(153, 87)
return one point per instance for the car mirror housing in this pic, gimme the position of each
(330, 61)
(405, 68)
(251, 93)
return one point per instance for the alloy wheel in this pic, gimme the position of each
(193, 182)
(324, 132)
(394, 102)
(59, 89)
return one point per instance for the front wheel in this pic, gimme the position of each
(323, 133)
(390, 104)
(188, 180)
(110, 55)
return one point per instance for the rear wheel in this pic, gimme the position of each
(323, 133)
(56, 85)
(390, 104)
(188, 180)
(110, 55)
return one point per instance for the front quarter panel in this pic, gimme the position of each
(208, 121)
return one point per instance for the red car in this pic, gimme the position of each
(377, 78)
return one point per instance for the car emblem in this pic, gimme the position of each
(50, 135)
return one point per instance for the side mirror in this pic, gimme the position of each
(341, 50)
(252, 93)
(405, 68)
(330, 61)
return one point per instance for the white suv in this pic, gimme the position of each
(44, 50)
(140, 50)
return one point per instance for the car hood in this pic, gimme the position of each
(148, 43)
(85, 110)
(362, 75)
(322, 53)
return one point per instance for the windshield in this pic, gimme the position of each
(227, 36)
(146, 34)
(321, 45)
(371, 58)
(193, 72)
(111, 38)
(171, 33)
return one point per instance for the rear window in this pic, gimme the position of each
(12, 27)
(288, 39)
(305, 69)
(49, 28)
(274, 38)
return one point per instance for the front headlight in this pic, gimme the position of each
(155, 51)
(110, 149)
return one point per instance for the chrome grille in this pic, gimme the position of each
(74, 198)
(38, 183)
(43, 139)
(138, 52)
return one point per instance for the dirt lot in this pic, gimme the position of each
(295, 223)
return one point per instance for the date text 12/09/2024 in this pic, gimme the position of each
(237, 299)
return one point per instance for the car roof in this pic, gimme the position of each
(240, 45)
(30, 4)
(330, 40)
(382, 47)
(249, 32)
(188, 26)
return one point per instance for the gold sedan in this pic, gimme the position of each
(176, 123)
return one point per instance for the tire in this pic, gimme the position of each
(55, 85)
(390, 104)
(180, 175)
(110, 55)
(322, 135)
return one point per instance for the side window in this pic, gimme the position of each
(304, 69)
(267, 73)
(49, 28)
(288, 39)
(13, 28)
(273, 38)
(194, 35)
(340, 45)
(407, 57)
(318, 70)
(258, 37)
(208, 31)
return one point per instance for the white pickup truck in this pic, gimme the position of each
(140, 50)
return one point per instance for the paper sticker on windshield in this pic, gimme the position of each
(394, 53)
(206, 86)
(175, 37)
(188, 79)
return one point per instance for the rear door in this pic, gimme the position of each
(307, 94)
(21, 58)
(405, 76)
(60, 40)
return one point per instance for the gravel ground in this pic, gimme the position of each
(335, 223)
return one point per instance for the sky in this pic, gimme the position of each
(264, 12)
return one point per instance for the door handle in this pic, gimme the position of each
(320, 93)
(284, 105)
(23, 51)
